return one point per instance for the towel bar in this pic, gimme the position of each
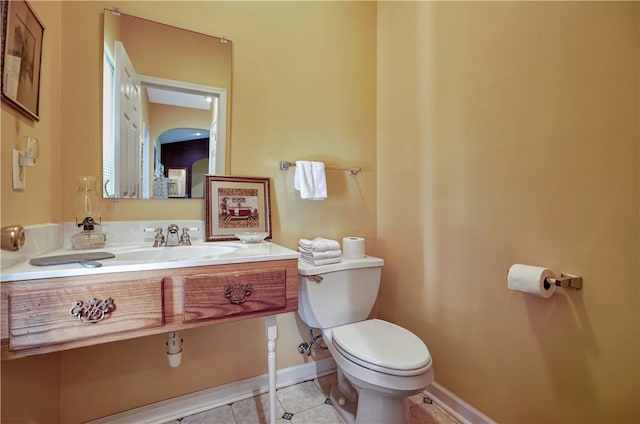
(352, 170)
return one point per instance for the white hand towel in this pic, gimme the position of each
(318, 244)
(310, 180)
(326, 254)
(319, 262)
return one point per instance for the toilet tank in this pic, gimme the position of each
(338, 294)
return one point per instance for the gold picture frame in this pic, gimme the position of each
(235, 205)
(22, 37)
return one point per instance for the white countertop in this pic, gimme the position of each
(250, 252)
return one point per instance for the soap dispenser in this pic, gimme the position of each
(87, 205)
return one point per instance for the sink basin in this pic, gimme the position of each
(175, 253)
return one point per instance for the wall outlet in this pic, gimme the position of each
(19, 181)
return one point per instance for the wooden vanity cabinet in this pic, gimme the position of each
(48, 315)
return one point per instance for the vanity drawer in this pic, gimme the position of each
(66, 314)
(228, 294)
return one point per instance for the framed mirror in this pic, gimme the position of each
(166, 104)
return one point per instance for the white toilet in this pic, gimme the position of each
(379, 363)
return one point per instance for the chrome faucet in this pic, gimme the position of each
(172, 236)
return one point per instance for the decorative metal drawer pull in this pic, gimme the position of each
(237, 293)
(93, 310)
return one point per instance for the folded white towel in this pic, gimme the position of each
(318, 244)
(325, 254)
(319, 262)
(310, 180)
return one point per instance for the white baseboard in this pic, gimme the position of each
(193, 403)
(455, 406)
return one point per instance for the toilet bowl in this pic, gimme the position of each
(382, 369)
(379, 364)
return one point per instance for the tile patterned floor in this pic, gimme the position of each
(305, 403)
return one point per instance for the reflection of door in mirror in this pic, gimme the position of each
(167, 93)
(198, 170)
(179, 186)
(127, 121)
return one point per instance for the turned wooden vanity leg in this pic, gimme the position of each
(272, 335)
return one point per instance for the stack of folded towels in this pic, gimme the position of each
(320, 251)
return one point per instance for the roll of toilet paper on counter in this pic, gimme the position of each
(530, 279)
(353, 247)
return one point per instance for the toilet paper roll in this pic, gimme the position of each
(353, 247)
(530, 279)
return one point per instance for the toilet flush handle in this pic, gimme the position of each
(315, 278)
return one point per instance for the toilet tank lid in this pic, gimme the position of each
(305, 268)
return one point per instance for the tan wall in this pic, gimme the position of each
(34, 378)
(304, 87)
(31, 390)
(509, 133)
(40, 202)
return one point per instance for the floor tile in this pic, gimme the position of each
(304, 403)
(254, 410)
(416, 399)
(323, 414)
(300, 397)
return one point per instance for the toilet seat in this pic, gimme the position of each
(383, 347)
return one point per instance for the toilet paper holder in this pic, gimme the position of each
(565, 280)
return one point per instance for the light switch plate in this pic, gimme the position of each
(18, 183)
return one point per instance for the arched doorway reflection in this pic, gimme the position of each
(186, 148)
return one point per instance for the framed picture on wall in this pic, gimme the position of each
(22, 36)
(236, 205)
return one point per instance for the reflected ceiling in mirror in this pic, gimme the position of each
(161, 83)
